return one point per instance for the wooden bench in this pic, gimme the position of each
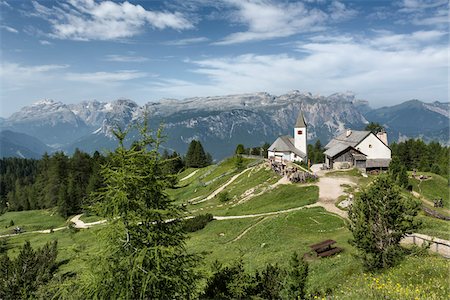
(330, 252)
(324, 249)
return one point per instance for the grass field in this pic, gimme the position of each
(205, 181)
(281, 198)
(436, 187)
(261, 240)
(273, 239)
(74, 246)
(434, 227)
(31, 220)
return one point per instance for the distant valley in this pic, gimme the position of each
(218, 122)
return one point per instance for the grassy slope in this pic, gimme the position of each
(273, 239)
(281, 198)
(267, 240)
(205, 181)
(75, 246)
(436, 187)
(31, 220)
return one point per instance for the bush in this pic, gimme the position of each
(223, 197)
(272, 282)
(379, 218)
(239, 162)
(197, 223)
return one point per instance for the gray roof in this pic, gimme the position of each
(285, 143)
(352, 140)
(300, 120)
(336, 149)
(378, 163)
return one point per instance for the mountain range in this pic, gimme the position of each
(220, 122)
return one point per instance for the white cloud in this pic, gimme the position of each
(339, 11)
(267, 20)
(44, 42)
(376, 73)
(270, 19)
(420, 5)
(9, 29)
(4, 3)
(106, 20)
(15, 76)
(432, 13)
(389, 40)
(187, 41)
(106, 77)
(125, 58)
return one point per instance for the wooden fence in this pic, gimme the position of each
(439, 246)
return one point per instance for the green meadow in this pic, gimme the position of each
(265, 239)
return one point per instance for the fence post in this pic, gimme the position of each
(414, 239)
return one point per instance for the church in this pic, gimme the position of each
(287, 148)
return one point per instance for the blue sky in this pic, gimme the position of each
(385, 52)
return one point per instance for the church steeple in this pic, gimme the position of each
(301, 134)
(300, 121)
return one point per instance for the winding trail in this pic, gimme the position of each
(189, 176)
(221, 188)
(80, 224)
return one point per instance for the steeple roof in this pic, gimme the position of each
(300, 120)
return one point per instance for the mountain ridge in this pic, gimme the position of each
(220, 122)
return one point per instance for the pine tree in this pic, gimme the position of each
(21, 277)
(379, 218)
(196, 156)
(239, 149)
(295, 286)
(145, 255)
(374, 127)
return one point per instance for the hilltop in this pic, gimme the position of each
(261, 218)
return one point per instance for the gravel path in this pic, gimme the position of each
(329, 191)
(222, 187)
(189, 176)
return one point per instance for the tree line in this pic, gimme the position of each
(54, 180)
(414, 154)
(58, 180)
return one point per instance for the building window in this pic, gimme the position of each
(299, 132)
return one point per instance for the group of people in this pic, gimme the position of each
(293, 174)
(438, 203)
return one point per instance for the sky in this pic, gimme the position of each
(383, 51)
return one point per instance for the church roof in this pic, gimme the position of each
(300, 120)
(285, 143)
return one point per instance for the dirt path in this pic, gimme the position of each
(221, 188)
(221, 218)
(247, 230)
(329, 191)
(189, 176)
(80, 224)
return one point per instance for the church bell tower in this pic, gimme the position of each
(300, 134)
